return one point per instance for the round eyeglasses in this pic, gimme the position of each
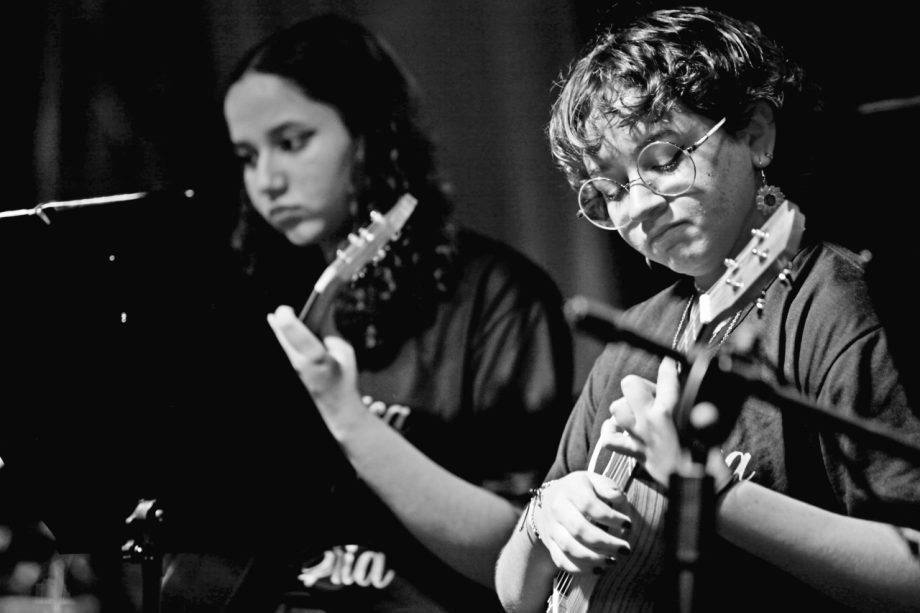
(663, 167)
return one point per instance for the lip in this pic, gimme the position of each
(660, 234)
(656, 233)
(285, 216)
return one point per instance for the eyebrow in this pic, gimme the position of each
(277, 131)
(290, 124)
(660, 133)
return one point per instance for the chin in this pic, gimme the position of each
(306, 233)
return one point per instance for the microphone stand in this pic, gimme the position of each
(143, 546)
(724, 379)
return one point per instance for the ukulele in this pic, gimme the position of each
(210, 581)
(630, 585)
(367, 246)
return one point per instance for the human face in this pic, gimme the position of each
(694, 232)
(297, 157)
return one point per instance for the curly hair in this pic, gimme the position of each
(693, 58)
(337, 61)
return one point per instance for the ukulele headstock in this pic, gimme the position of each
(766, 255)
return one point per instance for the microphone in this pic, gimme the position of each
(602, 322)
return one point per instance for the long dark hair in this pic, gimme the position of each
(339, 62)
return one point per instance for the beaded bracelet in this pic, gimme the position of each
(529, 520)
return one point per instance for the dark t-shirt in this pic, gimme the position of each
(832, 351)
(484, 392)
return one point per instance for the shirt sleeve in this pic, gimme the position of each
(521, 383)
(846, 365)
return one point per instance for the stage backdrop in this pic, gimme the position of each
(113, 96)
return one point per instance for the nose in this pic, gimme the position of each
(269, 178)
(643, 202)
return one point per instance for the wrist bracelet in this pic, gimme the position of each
(536, 502)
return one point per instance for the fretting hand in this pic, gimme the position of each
(645, 419)
(327, 368)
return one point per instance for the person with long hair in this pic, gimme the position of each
(443, 371)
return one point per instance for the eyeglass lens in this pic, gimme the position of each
(664, 168)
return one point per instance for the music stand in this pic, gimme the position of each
(138, 370)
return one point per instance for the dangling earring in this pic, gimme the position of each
(769, 197)
(352, 196)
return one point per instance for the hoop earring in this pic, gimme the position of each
(769, 197)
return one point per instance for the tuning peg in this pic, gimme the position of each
(785, 277)
(761, 254)
(354, 240)
(368, 236)
(376, 217)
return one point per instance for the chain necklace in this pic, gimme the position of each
(686, 318)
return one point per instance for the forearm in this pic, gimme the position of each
(524, 573)
(461, 523)
(864, 564)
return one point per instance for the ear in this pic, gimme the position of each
(760, 134)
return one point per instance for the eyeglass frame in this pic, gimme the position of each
(627, 187)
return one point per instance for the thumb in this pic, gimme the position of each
(667, 386)
(299, 344)
(342, 352)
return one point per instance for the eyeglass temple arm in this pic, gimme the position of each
(703, 138)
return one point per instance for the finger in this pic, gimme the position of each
(639, 394)
(298, 335)
(614, 516)
(581, 545)
(294, 357)
(668, 384)
(638, 391)
(622, 414)
(298, 343)
(340, 349)
(342, 354)
(574, 564)
(588, 515)
(624, 443)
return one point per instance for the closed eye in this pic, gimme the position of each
(294, 141)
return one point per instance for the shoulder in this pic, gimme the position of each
(829, 279)
(661, 312)
(655, 319)
(495, 267)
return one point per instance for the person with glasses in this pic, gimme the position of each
(683, 130)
